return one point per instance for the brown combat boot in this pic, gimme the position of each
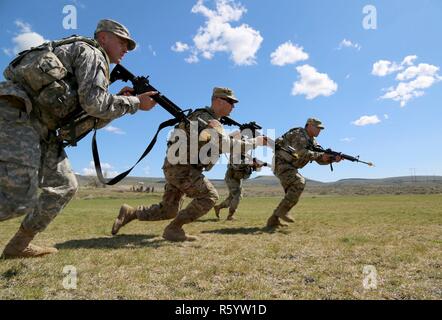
(20, 247)
(282, 211)
(174, 232)
(273, 222)
(217, 209)
(230, 216)
(286, 217)
(126, 215)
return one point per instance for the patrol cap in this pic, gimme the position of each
(117, 29)
(315, 122)
(227, 93)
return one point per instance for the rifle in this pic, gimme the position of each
(141, 84)
(334, 154)
(252, 127)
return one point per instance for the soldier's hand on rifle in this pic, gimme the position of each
(146, 102)
(214, 123)
(338, 158)
(330, 158)
(126, 91)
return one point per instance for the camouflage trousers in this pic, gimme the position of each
(293, 183)
(233, 179)
(182, 180)
(35, 175)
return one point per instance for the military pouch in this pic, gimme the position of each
(55, 102)
(35, 69)
(73, 132)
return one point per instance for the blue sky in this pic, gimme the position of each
(376, 86)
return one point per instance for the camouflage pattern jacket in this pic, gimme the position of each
(298, 139)
(191, 144)
(86, 85)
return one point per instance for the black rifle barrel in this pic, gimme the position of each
(336, 153)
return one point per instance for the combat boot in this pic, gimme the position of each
(20, 247)
(282, 211)
(217, 209)
(286, 217)
(126, 215)
(273, 222)
(175, 232)
(230, 216)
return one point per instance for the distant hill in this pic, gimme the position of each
(270, 186)
(273, 181)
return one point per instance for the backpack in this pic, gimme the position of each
(52, 89)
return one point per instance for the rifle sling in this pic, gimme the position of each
(121, 176)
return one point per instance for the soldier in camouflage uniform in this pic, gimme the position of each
(234, 177)
(61, 86)
(287, 165)
(185, 177)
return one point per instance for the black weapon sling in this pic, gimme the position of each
(121, 176)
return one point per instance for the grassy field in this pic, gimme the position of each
(320, 256)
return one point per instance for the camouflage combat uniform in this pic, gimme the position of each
(286, 167)
(234, 177)
(31, 153)
(185, 179)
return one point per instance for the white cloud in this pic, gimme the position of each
(152, 50)
(382, 68)
(115, 130)
(348, 44)
(348, 140)
(366, 120)
(218, 35)
(23, 26)
(107, 169)
(25, 39)
(312, 83)
(193, 58)
(409, 60)
(386, 116)
(423, 69)
(405, 91)
(419, 77)
(288, 53)
(180, 47)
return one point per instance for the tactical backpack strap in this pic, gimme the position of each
(92, 42)
(121, 176)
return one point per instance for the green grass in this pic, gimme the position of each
(320, 256)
